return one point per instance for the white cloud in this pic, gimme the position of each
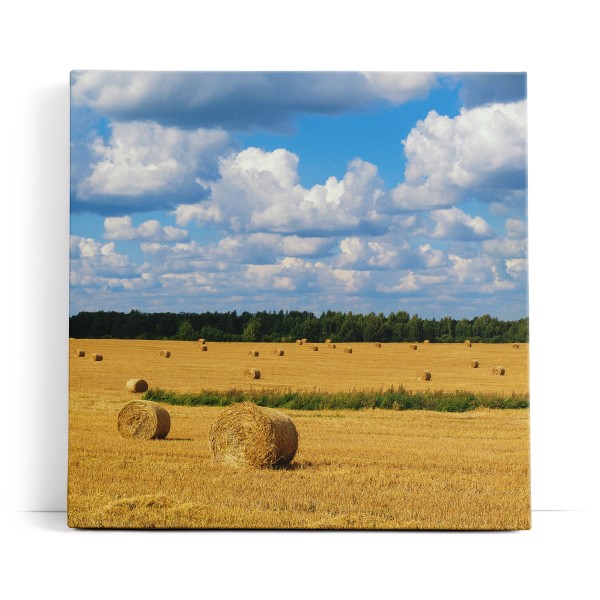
(516, 229)
(505, 248)
(454, 224)
(121, 228)
(413, 282)
(259, 191)
(517, 268)
(143, 158)
(269, 99)
(482, 150)
(400, 87)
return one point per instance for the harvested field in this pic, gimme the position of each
(369, 468)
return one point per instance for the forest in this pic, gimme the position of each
(288, 326)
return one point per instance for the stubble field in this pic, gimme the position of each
(374, 469)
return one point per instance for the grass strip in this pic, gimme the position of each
(390, 398)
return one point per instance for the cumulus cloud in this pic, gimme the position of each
(516, 229)
(454, 224)
(271, 100)
(142, 159)
(260, 191)
(480, 152)
(121, 228)
(95, 262)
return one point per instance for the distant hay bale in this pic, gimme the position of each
(516, 346)
(201, 341)
(144, 421)
(250, 435)
(165, 353)
(377, 344)
(467, 343)
(475, 364)
(278, 352)
(412, 346)
(253, 353)
(314, 348)
(136, 386)
(348, 350)
(423, 375)
(252, 374)
(498, 370)
(332, 346)
(328, 341)
(426, 341)
(203, 348)
(79, 353)
(299, 342)
(97, 357)
(304, 340)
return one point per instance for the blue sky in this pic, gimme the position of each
(303, 190)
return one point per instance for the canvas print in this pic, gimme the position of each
(298, 300)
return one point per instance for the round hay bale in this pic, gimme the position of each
(412, 346)
(328, 341)
(515, 346)
(377, 344)
(253, 353)
(203, 348)
(144, 421)
(79, 353)
(299, 342)
(165, 353)
(137, 386)
(252, 374)
(314, 348)
(201, 341)
(97, 357)
(304, 340)
(498, 370)
(467, 343)
(278, 352)
(475, 364)
(332, 346)
(423, 375)
(348, 350)
(250, 435)
(426, 341)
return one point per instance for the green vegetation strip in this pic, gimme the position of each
(391, 399)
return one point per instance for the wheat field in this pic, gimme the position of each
(368, 469)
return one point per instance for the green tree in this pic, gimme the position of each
(186, 332)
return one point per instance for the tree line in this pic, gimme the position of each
(292, 325)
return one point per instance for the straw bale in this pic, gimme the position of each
(498, 370)
(97, 357)
(203, 348)
(516, 346)
(253, 353)
(201, 341)
(332, 346)
(426, 341)
(412, 346)
(137, 386)
(79, 353)
(348, 350)
(328, 341)
(475, 364)
(423, 375)
(314, 348)
(468, 343)
(165, 353)
(377, 344)
(254, 436)
(299, 342)
(144, 421)
(304, 340)
(252, 374)
(278, 352)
